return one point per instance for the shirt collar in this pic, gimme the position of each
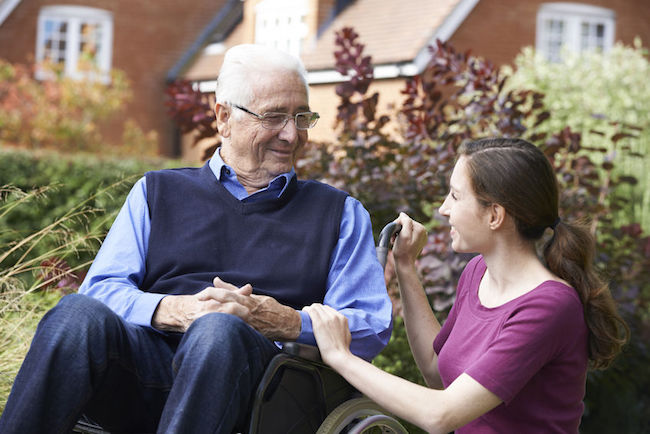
(224, 172)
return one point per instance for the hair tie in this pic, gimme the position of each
(555, 223)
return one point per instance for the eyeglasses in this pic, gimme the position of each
(277, 121)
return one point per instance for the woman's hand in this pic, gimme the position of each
(332, 333)
(409, 242)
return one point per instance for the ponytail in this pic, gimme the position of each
(569, 254)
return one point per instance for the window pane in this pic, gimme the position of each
(592, 36)
(89, 45)
(555, 27)
(573, 26)
(54, 41)
(554, 38)
(76, 38)
(584, 36)
(280, 24)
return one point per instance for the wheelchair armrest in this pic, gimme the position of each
(304, 351)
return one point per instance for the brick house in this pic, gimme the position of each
(146, 39)
(166, 41)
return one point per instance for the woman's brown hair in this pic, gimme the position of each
(515, 174)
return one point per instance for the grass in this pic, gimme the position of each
(19, 317)
(36, 269)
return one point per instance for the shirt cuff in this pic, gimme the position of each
(144, 307)
(306, 335)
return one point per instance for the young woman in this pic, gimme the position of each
(513, 354)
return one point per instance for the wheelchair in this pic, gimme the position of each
(299, 394)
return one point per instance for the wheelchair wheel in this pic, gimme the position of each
(360, 415)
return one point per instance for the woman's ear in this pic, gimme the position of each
(497, 216)
(222, 113)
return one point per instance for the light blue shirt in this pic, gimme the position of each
(355, 284)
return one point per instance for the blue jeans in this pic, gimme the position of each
(85, 359)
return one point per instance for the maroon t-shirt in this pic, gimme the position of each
(531, 352)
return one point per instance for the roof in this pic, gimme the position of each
(206, 66)
(393, 32)
(6, 7)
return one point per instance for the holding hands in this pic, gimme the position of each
(263, 313)
(331, 332)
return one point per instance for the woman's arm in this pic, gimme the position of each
(437, 411)
(421, 324)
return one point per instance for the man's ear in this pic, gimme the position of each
(222, 113)
(497, 215)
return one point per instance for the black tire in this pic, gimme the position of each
(358, 416)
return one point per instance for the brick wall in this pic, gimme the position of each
(498, 29)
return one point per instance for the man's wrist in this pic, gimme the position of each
(292, 324)
(163, 318)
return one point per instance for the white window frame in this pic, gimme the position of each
(75, 16)
(282, 24)
(572, 16)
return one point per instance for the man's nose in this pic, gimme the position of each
(289, 132)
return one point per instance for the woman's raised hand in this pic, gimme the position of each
(410, 241)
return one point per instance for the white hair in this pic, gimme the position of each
(243, 63)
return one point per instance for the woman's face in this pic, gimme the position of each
(469, 220)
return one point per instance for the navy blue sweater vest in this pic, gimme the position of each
(199, 230)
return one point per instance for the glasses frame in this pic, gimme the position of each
(287, 116)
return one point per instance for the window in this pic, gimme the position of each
(75, 40)
(576, 27)
(281, 24)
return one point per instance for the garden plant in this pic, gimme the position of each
(54, 212)
(67, 114)
(32, 282)
(595, 93)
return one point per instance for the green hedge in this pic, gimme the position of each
(95, 182)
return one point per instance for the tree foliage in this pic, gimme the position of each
(65, 114)
(600, 95)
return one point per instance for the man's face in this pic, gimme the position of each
(253, 149)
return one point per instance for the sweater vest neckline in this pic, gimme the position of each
(246, 207)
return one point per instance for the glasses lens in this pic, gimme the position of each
(274, 121)
(306, 120)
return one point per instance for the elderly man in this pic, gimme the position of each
(202, 272)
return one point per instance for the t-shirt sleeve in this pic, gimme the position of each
(533, 334)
